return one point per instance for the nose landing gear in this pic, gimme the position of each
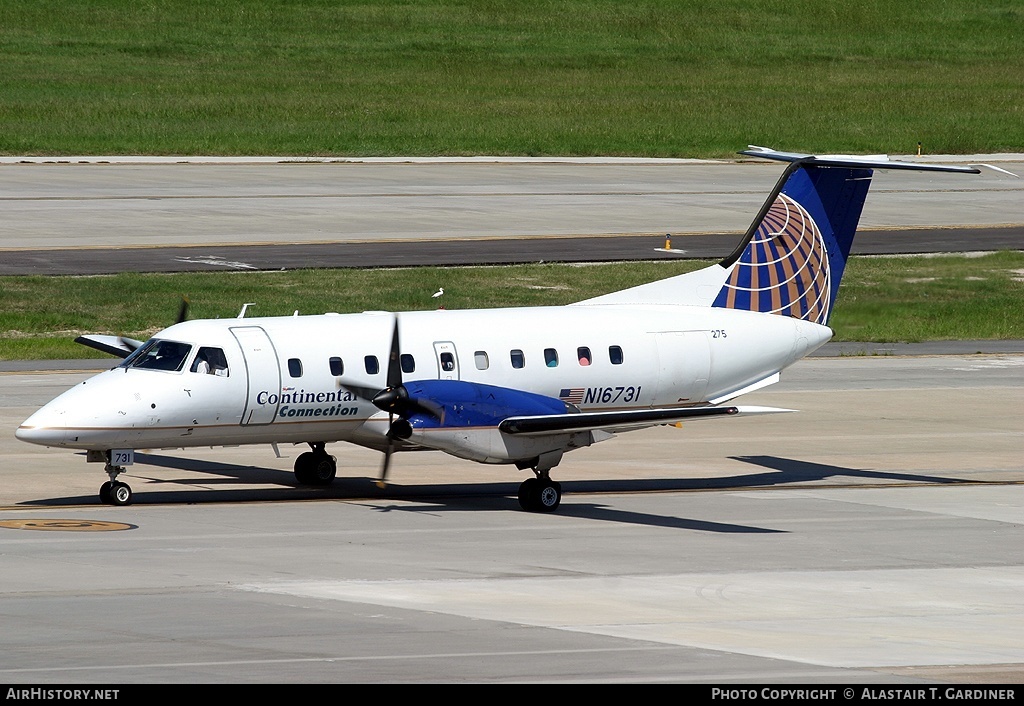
(114, 492)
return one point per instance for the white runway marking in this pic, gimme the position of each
(216, 261)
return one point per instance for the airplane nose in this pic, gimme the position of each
(45, 430)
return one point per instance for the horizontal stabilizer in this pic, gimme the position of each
(770, 380)
(873, 161)
(114, 345)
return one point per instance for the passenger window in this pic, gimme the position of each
(337, 366)
(372, 366)
(583, 353)
(210, 361)
(408, 363)
(615, 355)
(295, 367)
(447, 362)
(518, 359)
(551, 357)
(481, 360)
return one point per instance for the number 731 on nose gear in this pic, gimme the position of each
(516, 386)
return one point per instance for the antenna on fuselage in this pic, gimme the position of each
(241, 314)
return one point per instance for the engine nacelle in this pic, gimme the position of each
(489, 445)
(466, 425)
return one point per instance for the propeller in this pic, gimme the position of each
(122, 346)
(396, 401)
(390, 399)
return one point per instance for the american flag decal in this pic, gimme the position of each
(572, 395)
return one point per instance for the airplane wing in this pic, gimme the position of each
(617, 421)
(451, 404)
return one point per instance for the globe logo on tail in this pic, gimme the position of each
(784, 269)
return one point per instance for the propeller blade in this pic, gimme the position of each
(365, 393)
(393, 393)
(183, 310)
(389, 449)
(382, 482)
(426, 406)
(394, 378)
(394, 399)
(130, 342)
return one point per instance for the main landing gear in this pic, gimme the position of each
(541, 494)
(114, 492)
(316, 467)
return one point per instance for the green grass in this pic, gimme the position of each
(881, 299)
(660, 78)
(932, 298)
(566, 77)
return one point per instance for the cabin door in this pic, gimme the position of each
(447, 360)
(263, 375)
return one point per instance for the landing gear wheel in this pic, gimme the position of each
(120, 494)
(324, 470)
(313, 468)
(549, 496)
(540, 495)
(528, 494)
(303, 465)
(114, 492)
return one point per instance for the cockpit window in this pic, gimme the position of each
(210, 361)
(157, 354)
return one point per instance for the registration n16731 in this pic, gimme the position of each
(611, 395)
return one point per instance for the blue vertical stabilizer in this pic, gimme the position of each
(794, 255)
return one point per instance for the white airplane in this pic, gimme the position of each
(518, 386)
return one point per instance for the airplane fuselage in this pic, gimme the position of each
(283, 379)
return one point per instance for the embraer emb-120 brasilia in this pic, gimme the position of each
(517, 386)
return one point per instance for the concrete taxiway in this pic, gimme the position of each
(873, 536)
(95, 215)
(102, 202)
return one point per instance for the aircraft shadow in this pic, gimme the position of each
(276, 485)
(797, 471)
(578, 510)
(782, 471)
